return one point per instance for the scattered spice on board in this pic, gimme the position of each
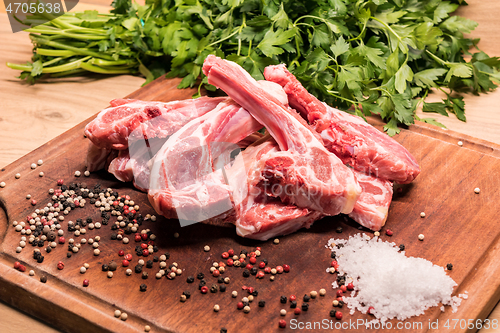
(384, 279)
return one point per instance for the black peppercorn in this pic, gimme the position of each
(40, 259)
(104, 267)
(64, 188)
(293, 304)
(264, 261)
(341, 304)
(48, 249)
(449, 267)
(283, 299)
(155, 248)
(187, 294)
(138, 268)
(113, 266)
(246, 273)
(200, 276)
(190, 279)
(69, 254)
(401, 247)
(156, 259)
(333, 255)
(339, 230)
(332, 313)
(243, 252)
(306, 298)
(149, 263)
(220, 279)
(222, 288)
(201, 284)
(214, 288)
(262, 303)
(253, 271)
(43, 279)
(113, 236)
(167, 255)
(223, 330)
(143, 287)
(255, 293)
(145, 275)
(305, 306)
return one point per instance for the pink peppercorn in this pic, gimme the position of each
(221, 264)
(258, 248)
(125, 211)
(125, 263)
(60, 265)
(249, 267)
(350, 286)
(252, 254)
(145, 253)
(343, 288)
(86, 282)
(293, 297)
(259, 275)
(225, 255)
(128, 257)
(267, 270)
(230, 252)
(297, 311)
(282, 323)
(17, 264)
(286, 268)
(339, 293)
(230, 262)
(250, 290)
(241, 260)
(127, 197)
(279, 269)
(334, 263)
(62, 240)
(60, 182)
(144, 246)
(239, 305)
(262, 264)
(216, 273)
(133, 211)
(22, 268)
(370, 310)
(121, 253)
(33, 202)
(244, 287)
(137, 238)
(144, 236)
(389, 232)
(252, 260)
(204, 290)
(338, 315)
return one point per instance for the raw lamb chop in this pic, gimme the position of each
(185, 183)
(303, 172)
(259, 216)
(112, 128)
(356, 142)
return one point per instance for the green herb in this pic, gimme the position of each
(372, 57)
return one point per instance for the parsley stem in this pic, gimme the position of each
(43, 41)
(388, 28)
(54, 53)
(435, 57)
(332, 93)
(225, 38)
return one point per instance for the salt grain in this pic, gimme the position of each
(396, 286)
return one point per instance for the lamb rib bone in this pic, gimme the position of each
(303, 172)
(353, 140)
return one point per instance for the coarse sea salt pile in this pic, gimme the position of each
(395, 285)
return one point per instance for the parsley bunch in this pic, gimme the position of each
(370, 56)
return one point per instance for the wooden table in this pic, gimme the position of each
(32, 115)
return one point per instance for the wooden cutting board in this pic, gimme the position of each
(460, 227)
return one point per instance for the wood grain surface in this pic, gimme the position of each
(32, 115)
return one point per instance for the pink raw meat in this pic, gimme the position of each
(112, 127)
(303, 173)
(352, 139)
(185, 181)
(99, 158)
(259, 216)
(372, 208)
